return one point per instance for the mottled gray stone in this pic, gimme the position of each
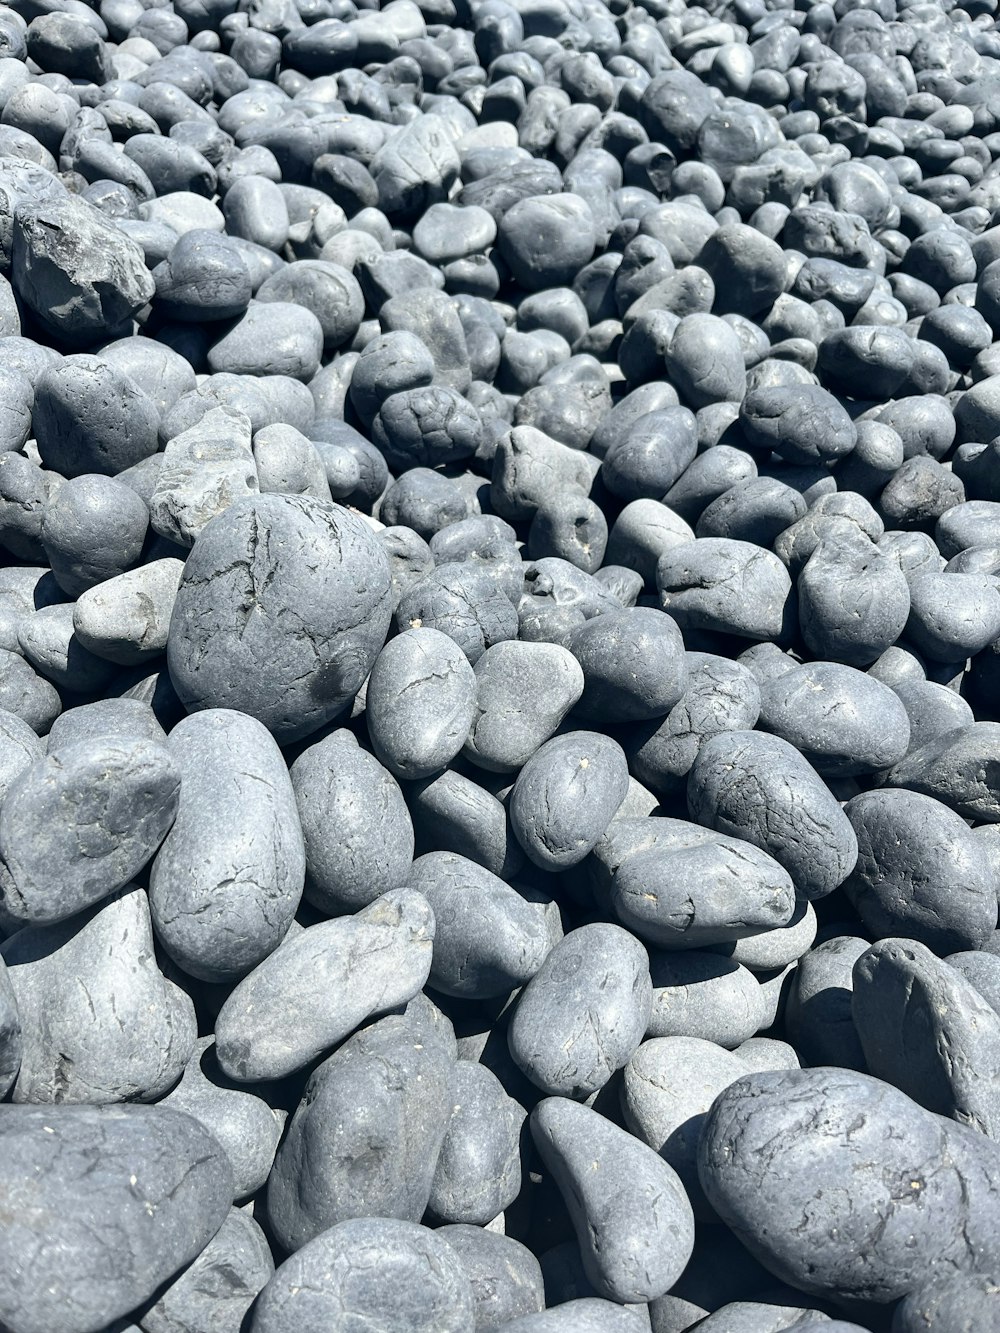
(281, 611)
(925, 1029)
(488, 938)
(631, 1216)
(453, 813)
(100, 1022)
(214, 1293)
(853, 600)
(679, 885)
(504, 1275)
(634, 665)
(205, 469)
(228, 878)
(818, 1016)
(328, 979)
(959, 768)
(26, 694)
(717, 583)
(376, 1273)
(157, 1172)
(777, 1148)
(461, 599)
(120, 717)
(420, 702)
(241, 1121)
(478, 1172)
(524, 691)
(566, 795)
(961, 1303)
(761, 789)
(920, 872)
(842, 721)
(270, 338)
(81, 822)
(584, 1013)
(357, 829)
(48, 641)
(126, 619)
(366, 1136)
(669, 1085)
(19, 749)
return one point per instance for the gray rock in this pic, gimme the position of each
(631, 1216)
(588, 1315)
(853, 600)
(214, 1293)
(26, 694)
(242, 1122)
(776, 948)
(461, 599)
(48, 641)
(775, 1152)
(76, 271)
(700, 995)
(584, 1013)
(524, 691)
(957, 768)
(504, 1275)
(373, 1272)
(983, 970)
(366, 1136)
(669, 1086)
(566, 795)
(19, 749)
(478, 1172)
(761, 789)
(10, 1033)
(920, 872)
(156, 1171)
(760, 1054)
(81, 822)
(357, 829)
(634, 665)
(288, 463)
(681, 886)
(205, 469)
(420, 702)
(734, 587)
(100, 1022)
(228, 878)
(122, 718)
(331, 977)
(957, 1304)
(763, 1317)
(453, 813)
(269, 564)
(488, 938)
(126, 619)
(270, 338)
(818, 1016)
(842, 721)
(925, 1029)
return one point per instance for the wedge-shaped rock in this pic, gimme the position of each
(204, 470)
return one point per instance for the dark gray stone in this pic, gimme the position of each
(372, 1271)
(91, 417)
(956, 767)
(342, 1157)
(584, 1013)
(357, 829)
(453, 813)
(818, 1014)
(81, 822)
(759, 788)
(729, 586)
(633, 663)
(504, 734)
(924, 1191)
(228, 878)
(961, 1303)
(700, 995)
(631, 1216)
(504, 1275)
(266, 561)
(330, 977)
(925, 1029)
(100, 1023)
(478, 1172)
(156, 1170)
(566, 795)
(420, 702)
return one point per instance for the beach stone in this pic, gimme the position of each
(156, 1167)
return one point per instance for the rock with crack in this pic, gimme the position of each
(205, 469)
(760, 789)
(524, 691)
(463, 600)
(366, 1136)
(565, 797)
(81, 822)
(323, 983)
(100, 1022)
(158, 1173)
(631, 1216)
(488, 938)
(584, 1012)
(420, 702)
(505, 1277)
(681, 886)
(226, 882)
(283, 606)
(728, 586)
(845, 1188)
(357, 829)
